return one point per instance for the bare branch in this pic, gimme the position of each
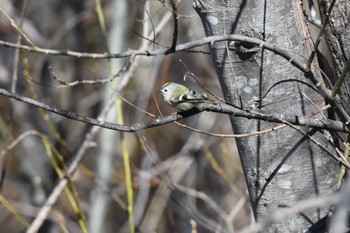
(211, 107)
(182, 47)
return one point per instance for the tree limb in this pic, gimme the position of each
(211, 107)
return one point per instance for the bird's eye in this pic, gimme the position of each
(165, 90)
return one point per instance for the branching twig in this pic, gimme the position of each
(91, 82)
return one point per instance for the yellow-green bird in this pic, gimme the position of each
(181, 97)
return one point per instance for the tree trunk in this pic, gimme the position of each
(281, 167)
(337, 35)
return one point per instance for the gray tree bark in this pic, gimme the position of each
(281, 167)
(337, 35)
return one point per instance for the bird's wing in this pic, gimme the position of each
(192, 97)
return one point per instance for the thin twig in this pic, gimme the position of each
(231, 135)
(5, 157)
(199, 83)
(341, 79)
(320, 35)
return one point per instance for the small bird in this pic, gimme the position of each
(180, 97)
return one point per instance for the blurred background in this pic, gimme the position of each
(181, 180)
